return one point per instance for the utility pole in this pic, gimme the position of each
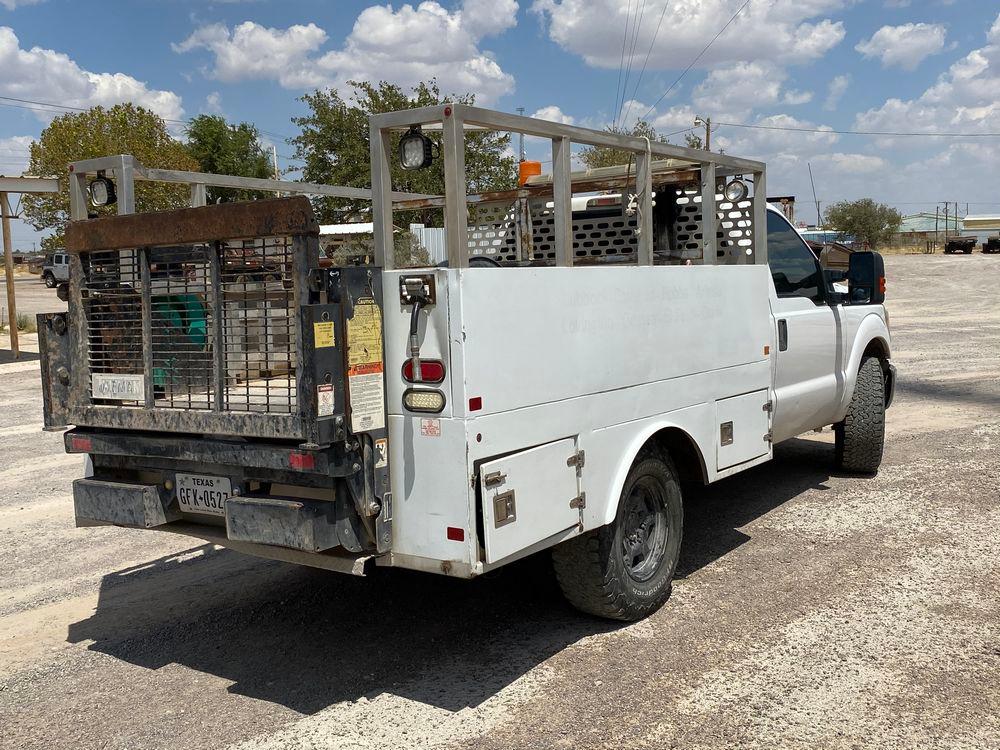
(8, 262)
(707, 122)
(937, 209)
(520, 148)
(819, 220)
(947, 207)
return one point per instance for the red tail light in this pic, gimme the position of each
(81, 444)
(302, 461)
(431, 371)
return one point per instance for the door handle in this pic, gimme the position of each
(782, 335)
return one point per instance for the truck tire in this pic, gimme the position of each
(49, 279)
(860, 438)
(623, 571)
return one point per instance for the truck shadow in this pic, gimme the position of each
(308, 639)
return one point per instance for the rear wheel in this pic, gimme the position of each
(624, 570)
(860, 438)
(49, 279)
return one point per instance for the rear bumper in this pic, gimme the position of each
(301, 532)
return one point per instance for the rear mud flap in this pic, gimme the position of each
(140, 506)
(299, 524)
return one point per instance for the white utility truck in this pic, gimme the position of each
(593, 340)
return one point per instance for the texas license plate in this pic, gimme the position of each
(197, 493)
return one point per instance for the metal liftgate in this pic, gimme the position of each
(189, 321)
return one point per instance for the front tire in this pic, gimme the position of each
(623, 571)
(50, 280)
(860, 438)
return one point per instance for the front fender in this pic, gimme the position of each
(872, 330)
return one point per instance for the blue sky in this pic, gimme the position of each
(928, 66)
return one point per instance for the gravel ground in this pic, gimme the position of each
(812, 610)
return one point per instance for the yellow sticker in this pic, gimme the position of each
(323, 335)
(364, 338)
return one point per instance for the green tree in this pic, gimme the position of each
(693, 140)
(221, 148)
(122, 129)
(333, 144)
(865, 220)
(602, 156)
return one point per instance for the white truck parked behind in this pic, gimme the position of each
(593, 340)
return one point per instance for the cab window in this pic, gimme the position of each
(793, 266)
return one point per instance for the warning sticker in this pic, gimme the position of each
(381, 453)
(365, 366)
(430, 427)
(323, 335)
(324, 400)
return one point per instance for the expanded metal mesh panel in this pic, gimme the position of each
(182, 313)
(222, 320)
(112, 304)
(734, 233)
(500, 231)
(258, 304)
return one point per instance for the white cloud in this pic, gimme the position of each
(12, 4)
(405, 46)
(737, 89)
(796, 98)
(853, 163)
(781, 30)
(14, 154)
(50, 76)
(213, 103)
(836, 90)
(965, 98)
(252, 51)
(555, 114)
(904, 46)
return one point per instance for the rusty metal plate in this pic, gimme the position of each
(273, 217)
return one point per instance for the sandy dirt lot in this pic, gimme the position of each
(812, 610)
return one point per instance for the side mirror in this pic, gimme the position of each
(866, 279)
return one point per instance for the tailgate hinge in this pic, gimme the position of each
(577, 460)
(580, 501)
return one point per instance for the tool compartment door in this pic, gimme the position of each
(526, 497)
(744, 427)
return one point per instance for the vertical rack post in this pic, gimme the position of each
(644, 185)
(709, 218)
(381, 197)
(147, 325)
(8, 259)
(562, 201)
(455, 209)
(759, 219)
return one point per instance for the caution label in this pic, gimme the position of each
(323, 335)
(365, 367)
(324, 400)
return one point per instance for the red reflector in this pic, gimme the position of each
(475, 403)
(456, 534)
(81, 444)
(431, 371)
(302, 461)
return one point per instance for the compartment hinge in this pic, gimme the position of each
(577, 460)
(769, 407)
(580, 501)
(494, 479)
(769, 437)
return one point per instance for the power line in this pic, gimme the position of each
(635, 91)
(861, 132)
(696, 59)
(24, 104)
(621, 62)
(631, 56)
